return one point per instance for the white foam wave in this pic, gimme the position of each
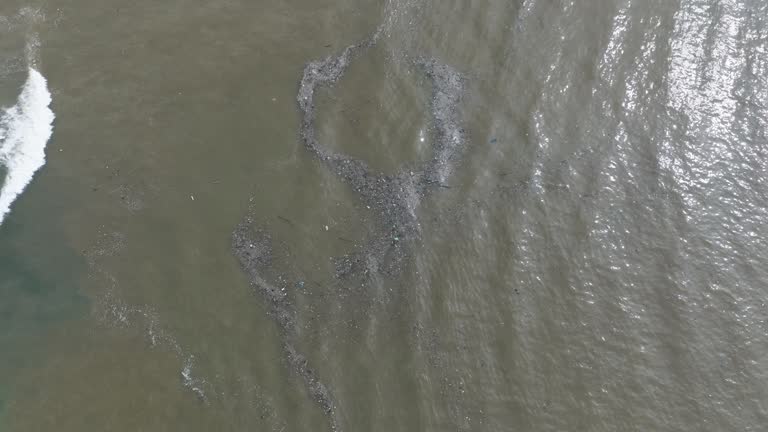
(25, 130)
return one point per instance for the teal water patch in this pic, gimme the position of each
(39, 278)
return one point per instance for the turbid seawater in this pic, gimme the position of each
(395, 215)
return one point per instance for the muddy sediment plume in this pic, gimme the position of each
(392, 200)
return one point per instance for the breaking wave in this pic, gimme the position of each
(25, 129)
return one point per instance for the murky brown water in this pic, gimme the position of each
(593, 259)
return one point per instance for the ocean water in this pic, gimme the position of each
(400, 215)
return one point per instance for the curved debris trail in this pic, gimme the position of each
(392, 200)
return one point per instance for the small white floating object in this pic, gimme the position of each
(193, 197)
(326, 227)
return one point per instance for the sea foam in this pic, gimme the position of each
(25, 129)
